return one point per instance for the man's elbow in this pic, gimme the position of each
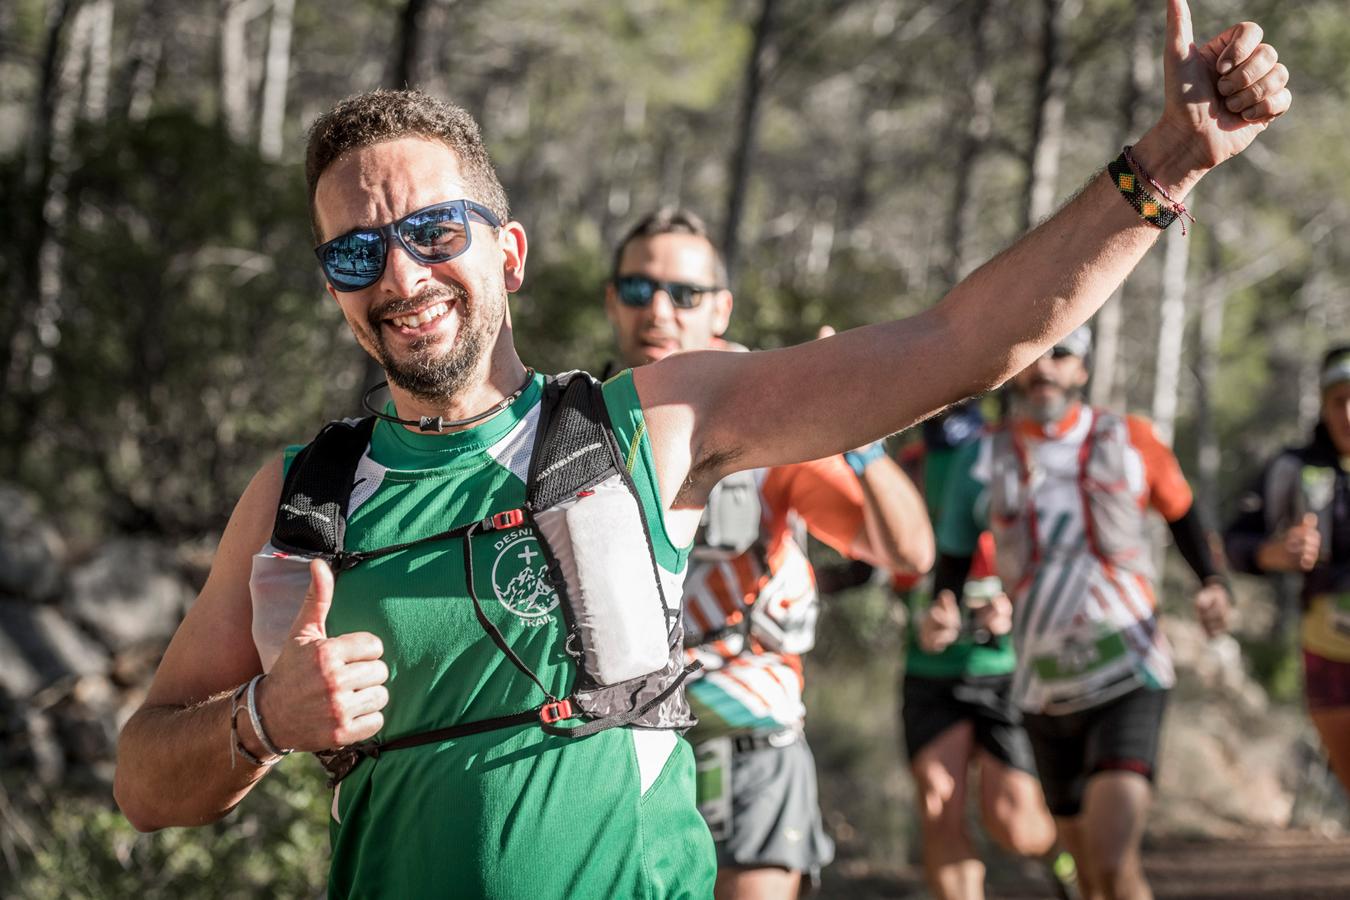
(139, 814)
(918, 558)
(913, 554)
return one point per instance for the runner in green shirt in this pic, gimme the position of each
(957, 710)
(420, 253)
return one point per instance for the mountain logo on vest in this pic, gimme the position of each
(520, 577)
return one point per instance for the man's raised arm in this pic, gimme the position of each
(712, 413)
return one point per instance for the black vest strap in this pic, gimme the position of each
(312, 515)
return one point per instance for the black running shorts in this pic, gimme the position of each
(1121, 735)
(932, 705)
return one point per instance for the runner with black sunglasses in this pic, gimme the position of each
(750, 601)
(399, 648)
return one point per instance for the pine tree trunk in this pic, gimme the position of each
(234, 77)
(1047, 131)
(275, 75)
(1210, 334)
(34, 326)
(146, 49)
(1171, 333)
(405, 67)
(98, 74)
(747, 129)
(974, 136)
(1106, 387)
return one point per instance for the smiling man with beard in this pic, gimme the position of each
(482, 781)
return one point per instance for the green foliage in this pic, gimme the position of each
(187, 262)
(275, 844)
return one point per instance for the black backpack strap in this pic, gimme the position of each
(574, 445)
(312, 514)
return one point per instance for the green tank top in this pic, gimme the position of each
(952, 494)
(514, 812)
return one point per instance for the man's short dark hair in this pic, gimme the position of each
(671, 220)
(378, 116)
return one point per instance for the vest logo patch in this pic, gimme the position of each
(520, 577)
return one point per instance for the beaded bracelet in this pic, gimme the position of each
(1177, 206)
(1149, 207)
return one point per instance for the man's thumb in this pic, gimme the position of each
(311, 620)
(1180, 37)
(1309, 520)
(947, 600)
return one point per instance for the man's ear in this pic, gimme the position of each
(722, 303)
(511, 238)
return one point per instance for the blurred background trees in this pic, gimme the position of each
(163, 326)
(856, 157)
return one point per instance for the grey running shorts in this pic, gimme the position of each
(761, 804)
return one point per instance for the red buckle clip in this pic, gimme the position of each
(509, 519)
(555, 711)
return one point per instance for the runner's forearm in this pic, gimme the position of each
(882, 378)
(1194, 542)
(174, 765)
(895, 519)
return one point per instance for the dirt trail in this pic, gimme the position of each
(1289, 865)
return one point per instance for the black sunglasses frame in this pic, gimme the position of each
(682, 295)
(389, 234)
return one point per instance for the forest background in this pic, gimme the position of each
(163, 325)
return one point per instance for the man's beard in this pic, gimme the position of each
(430, 376)
(1049, 410)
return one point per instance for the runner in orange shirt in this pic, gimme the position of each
(750, 601)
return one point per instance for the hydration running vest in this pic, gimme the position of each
(1114, 520)
(730, 537)
(624, 636)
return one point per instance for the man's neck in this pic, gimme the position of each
(499, 380)
(1057, 428)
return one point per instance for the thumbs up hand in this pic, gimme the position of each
(1224, 92)
(323, 692)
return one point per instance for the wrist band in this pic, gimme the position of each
(864, 456)
(1150, 208)
(237, 747)
(256, 720)
(1177, 206)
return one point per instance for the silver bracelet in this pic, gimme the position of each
(256, 720)
(237, 747)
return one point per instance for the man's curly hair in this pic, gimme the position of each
(377, 116)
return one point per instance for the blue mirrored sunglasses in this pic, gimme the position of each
(639, 290)
(430, 235)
